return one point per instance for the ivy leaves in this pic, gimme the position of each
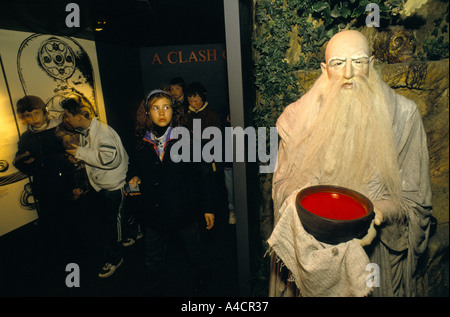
(337, 14)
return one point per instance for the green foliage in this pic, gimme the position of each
(436, 47)
(339, 12)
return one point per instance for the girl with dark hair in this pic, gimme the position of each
(147, 111)
(174, 192)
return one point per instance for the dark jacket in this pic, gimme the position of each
(207, 115)
(208, 118)
(51, 170)
(173, 194)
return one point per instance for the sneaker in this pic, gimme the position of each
(108, 269)
(130, 241)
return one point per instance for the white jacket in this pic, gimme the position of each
(105, 157)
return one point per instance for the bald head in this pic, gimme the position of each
(347, 55)
(347, 42)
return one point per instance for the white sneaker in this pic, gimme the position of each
(232, 218)
(108, 269)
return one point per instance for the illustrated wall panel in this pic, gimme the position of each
(51, 67)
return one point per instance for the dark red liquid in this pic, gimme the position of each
(333, 206)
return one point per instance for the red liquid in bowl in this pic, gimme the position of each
(333, 206)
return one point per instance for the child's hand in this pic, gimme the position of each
(209, 220)
(77, 193)
(73, 150)
(22, 156)
(134, 181)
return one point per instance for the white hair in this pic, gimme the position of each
(345, 138)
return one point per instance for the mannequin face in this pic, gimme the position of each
(347, 56)
(161, 112)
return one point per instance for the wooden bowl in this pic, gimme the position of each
(334, 214)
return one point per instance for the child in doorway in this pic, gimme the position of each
(171, 189)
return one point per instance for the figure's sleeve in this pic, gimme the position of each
(279, 193)
(285, 126)
(413, 161)
(416, 187)
(284, 182)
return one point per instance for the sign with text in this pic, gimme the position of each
(205, 63)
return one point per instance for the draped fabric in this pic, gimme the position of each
(314, 268)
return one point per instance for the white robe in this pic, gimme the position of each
(324, 270)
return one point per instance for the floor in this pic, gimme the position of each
(23, 271)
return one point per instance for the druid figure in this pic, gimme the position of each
(351, 130)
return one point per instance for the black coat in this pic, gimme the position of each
(173, 194)
(51, 170)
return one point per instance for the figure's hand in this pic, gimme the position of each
(134, 181)
(209, 220)
(73, 150)
(372, 232)
(378, 216)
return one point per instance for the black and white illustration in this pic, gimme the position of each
(53, 68)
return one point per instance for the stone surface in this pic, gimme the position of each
(427, 85)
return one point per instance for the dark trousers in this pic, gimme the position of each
(52, 208)
(156, 244)
(112, 204)
(130, 224)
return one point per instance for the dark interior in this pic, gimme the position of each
(127, 25)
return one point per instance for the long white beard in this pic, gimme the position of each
(347, 138)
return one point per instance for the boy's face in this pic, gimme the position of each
(195, 102)
(74, 121)
(176, 91)
(35, 118)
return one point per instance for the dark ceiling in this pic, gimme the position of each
(127, 22)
